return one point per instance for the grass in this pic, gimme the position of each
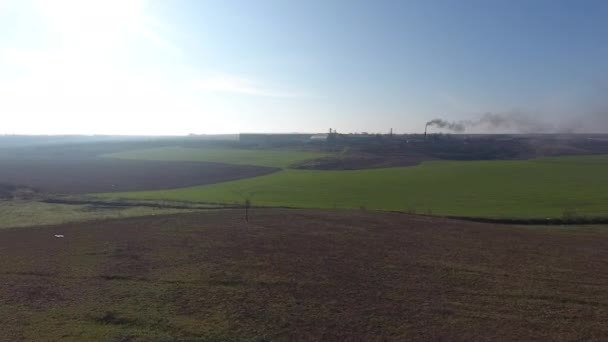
(23, 213)
(268, 157)
(547, 187)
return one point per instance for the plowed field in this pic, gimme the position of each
(89, 175)
(302, 275)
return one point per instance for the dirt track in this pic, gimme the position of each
(89, 175)
(303, 275)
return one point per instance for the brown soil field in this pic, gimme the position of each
(303, 275)
(89, 175)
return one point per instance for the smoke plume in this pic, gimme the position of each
(521, 122)
(452, 126)
(516, 122)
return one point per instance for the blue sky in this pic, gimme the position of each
(178, 67)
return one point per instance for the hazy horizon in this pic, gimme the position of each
(159, 68)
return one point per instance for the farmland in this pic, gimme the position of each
(145, 265)
(78, 176)
(261, 157)
(528, 188)
(302, 274)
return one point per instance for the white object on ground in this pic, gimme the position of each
(59, 235)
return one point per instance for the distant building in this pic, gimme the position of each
(319, 137)
(273, 139)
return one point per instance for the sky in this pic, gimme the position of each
(154, 67)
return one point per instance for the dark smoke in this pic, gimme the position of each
(521, 122)
(452, 126)
(518, 122)
(586, 115)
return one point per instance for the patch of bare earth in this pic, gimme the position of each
(304, 275)
(89, 175)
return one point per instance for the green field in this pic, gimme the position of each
(268, 157)
(547, 187)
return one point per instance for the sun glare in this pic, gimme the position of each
(97, 23)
